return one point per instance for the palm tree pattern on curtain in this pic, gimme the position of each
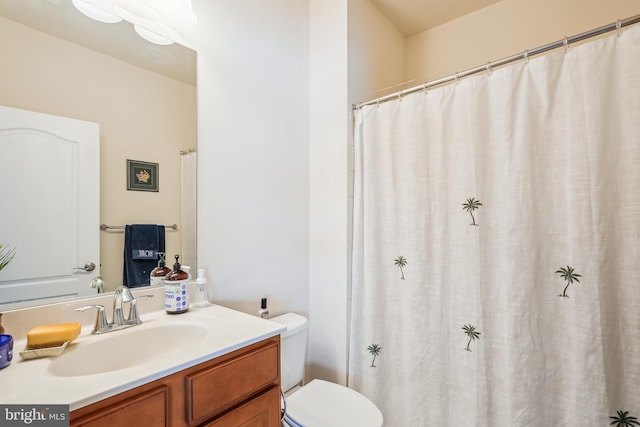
(623, 419)
(570, 276)
(400, 262)
(471, 332)
(374, 349)
(544, 184)
(471, 205)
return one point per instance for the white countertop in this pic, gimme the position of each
(32, 382)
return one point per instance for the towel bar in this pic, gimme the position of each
(105, 227)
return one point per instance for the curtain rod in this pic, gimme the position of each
(524, 55)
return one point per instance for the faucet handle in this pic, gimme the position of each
(134, 316)
(101, 318)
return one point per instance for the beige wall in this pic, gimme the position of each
(142, 116)
(503, 29)
(376, 52)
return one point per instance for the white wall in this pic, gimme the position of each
(328, 190)
(354, 50)
(253, 151)
(274, 122)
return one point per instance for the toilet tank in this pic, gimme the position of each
(293, 349)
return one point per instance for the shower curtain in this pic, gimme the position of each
(496, 260)
(188, 172)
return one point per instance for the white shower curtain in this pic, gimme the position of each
(188, 170)
(496, 264)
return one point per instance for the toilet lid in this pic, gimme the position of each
(324, 404)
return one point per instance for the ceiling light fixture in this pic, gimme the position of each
(152, 36)
(154, 20)
(101, 12)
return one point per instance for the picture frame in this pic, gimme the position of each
(142, 176)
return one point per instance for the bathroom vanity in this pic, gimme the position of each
(242, 387)
(210, 366)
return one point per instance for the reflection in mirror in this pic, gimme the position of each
(143, 98)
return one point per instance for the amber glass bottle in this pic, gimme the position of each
(176, 290)
(158, 274)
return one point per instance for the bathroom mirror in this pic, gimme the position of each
(143, 96)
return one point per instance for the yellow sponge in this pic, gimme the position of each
(51, 334)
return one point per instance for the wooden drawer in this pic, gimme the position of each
(219, 387)
(261, 411)
(149, 409)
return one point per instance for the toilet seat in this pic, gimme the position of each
(324, 404)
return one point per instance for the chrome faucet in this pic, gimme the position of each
(122, 295)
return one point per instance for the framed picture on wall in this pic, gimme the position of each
(142, 176)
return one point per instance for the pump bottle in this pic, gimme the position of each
(202, 298)
(176, 290)
(159, 273)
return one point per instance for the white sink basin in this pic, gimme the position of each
(125, 348)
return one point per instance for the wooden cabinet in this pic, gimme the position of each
(241, 388)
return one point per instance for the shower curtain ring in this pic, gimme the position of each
(619, 27)
(487, 67)
(566, 44)
(526, 56)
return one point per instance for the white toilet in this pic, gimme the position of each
(318, 403)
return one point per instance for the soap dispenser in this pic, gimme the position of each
(159, 273)
(176, 290)
(202, 297)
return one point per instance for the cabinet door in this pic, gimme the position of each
(148, 409)
(262, 411)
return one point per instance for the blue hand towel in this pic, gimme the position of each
(142, 242)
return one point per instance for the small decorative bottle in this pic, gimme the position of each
(176, 290)
(159, 273)
(263, 312)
